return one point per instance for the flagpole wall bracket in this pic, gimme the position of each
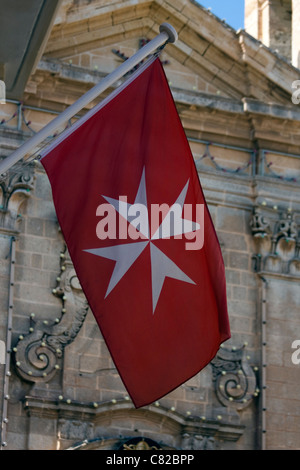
(167, 34)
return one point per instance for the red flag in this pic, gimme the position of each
(133, 214)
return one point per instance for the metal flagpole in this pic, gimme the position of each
(167, 34)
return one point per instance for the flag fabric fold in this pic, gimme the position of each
(133, 214)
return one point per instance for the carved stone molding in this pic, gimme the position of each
(83, 426)
(276, 234)
(234, 379)
(15, 187)
(38, 355)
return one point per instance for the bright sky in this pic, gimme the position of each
(232, 11)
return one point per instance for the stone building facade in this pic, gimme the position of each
(233, 91)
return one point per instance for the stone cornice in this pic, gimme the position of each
(225, 427)
(271, 110)
(78, 75)
(267, 62)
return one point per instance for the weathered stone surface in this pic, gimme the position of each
(234, 99)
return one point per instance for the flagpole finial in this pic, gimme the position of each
(171, 32)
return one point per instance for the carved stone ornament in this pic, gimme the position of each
(38, 354)
(234, 379)
(140, 443)
(197, 442)
(75, 429)
(15, 187)
(259, 224)
(277, 240)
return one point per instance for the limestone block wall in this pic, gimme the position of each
(63, 380)
(233, 97)
(276, 24)
(81, 385)
(64, 390)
